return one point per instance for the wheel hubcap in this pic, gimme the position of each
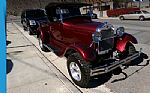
(141, 18)
(75, 71)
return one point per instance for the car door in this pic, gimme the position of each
(137, 14)
(131, 15)
(128, 16)
(56, 30)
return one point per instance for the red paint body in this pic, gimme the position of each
(76, 34)
(121, 42)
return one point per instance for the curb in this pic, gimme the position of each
(60, 65)
(69, 85)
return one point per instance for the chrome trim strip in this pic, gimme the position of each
(108, 38)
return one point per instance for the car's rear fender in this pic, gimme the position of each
(87, 53)
(43, 32)
(122, 42)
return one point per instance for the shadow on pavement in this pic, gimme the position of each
(8, 42)
(135, 62)
(9, 65)
(101, 79)
(137, 20)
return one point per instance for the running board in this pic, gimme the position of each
(51, 48)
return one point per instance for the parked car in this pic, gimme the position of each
(91, 48)
(30, 19)
(139, 14)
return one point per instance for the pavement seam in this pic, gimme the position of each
(50, 68)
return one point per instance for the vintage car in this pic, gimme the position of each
(91, 48)
(30, 19)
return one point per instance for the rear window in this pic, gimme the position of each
(145, 12)
(138, 12)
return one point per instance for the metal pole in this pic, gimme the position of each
(40, 3)
(139, 4)
(149, 3)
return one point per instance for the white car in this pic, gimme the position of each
(139, 14)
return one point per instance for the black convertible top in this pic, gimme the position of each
(62, 4)
(51, 8)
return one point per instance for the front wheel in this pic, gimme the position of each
(141, 18)
(129, 51)
(79, 70)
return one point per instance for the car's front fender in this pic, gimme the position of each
(87, 53)
(122, 41)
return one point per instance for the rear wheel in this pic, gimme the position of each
(121, 18)
(24, 28)
(41, 44)
(79, 70)
(30, 31)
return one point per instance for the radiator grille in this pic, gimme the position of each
(107, 39)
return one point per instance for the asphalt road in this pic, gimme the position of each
(134, 79)
(140, 29)
(137, 79)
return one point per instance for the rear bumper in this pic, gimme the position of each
(109, 67)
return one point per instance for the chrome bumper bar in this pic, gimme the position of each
(114, 65)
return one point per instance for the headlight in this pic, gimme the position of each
(32, 22)
(120, 31)
(96, 37)
(98, 29)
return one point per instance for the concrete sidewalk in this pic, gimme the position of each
(28, 71)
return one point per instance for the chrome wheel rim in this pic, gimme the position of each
(75, 71)
(121, 17)
(141, 18)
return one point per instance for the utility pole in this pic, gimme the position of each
(139, 4)
(149, 3)
(40, 3)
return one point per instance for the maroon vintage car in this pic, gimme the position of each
(91, 48)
